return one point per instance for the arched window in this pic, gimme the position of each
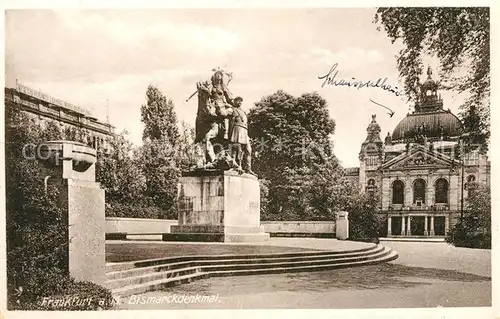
(398, 196)
(419, 191)
(442, 191)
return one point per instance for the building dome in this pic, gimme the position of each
(432, 125)
(429, 84)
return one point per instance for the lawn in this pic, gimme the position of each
(123, 252)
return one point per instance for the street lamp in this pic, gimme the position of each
(462, 162)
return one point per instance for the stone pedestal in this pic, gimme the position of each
(82, 201)
(219, 206)
(342, 225)
(389, 226)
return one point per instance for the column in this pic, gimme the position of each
(408, 232)
(403, 228)
(426, 233)
(432, 226)
(82, 204)
(446, 224)
(389, 226)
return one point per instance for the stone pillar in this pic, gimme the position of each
(82, 201)
(430, 196)
(342, 225)
(389, 226)
(408, 232)
(386, 193)
(408, 191)
(455, 192)
(432, 226)
(446, 224)
(218, 206)
(426, 233)
(403, 228)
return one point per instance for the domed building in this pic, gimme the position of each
(421, 184)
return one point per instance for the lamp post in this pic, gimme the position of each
(462, 188)
(462, 162)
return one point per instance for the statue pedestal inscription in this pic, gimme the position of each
(218, 206)
(82, 202)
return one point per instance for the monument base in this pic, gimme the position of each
(218, 206)
(83, 204)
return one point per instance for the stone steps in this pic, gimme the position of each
(149, 278)
(237, 260)
(115, 267)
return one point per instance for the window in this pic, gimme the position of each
(371, 161)
(442, 191)
(398, 196)
(419, 191)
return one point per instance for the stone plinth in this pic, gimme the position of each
(82, 201)
(342, 225)
(221, 206)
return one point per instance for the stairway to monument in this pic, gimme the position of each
(156, 274)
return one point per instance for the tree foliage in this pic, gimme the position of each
(35, 225)
(474, 229)
(458, 37)
(159, 118)
(363, 209)
(119, 172)
(159, 155)
(292, 154)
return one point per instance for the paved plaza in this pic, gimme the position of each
(425, 275)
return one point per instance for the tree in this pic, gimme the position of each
(159, 118)
(364, 223)
(119, 172)
(459, 38)
(292, 153)
(474, 229)
(36, 240)
(159, 156)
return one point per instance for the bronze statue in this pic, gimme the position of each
(221, 125)
(240, 142)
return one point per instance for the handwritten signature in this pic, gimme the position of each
(331, 79)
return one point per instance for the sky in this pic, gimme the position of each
(94, 58)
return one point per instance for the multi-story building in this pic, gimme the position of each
(421, 183)
(70, 118)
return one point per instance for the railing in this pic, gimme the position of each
(414, 207)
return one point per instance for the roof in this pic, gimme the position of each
(434, 123)
(352, 170)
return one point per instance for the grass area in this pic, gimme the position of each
(140, 251)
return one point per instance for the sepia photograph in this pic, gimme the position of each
(247, 158)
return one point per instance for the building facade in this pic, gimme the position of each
(421, 183)
(72, 120)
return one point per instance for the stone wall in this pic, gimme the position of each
(298, 228)
(137, 228)
(141, 228)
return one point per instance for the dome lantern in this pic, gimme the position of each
(429, 100)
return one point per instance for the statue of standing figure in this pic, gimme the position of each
(221, 125)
